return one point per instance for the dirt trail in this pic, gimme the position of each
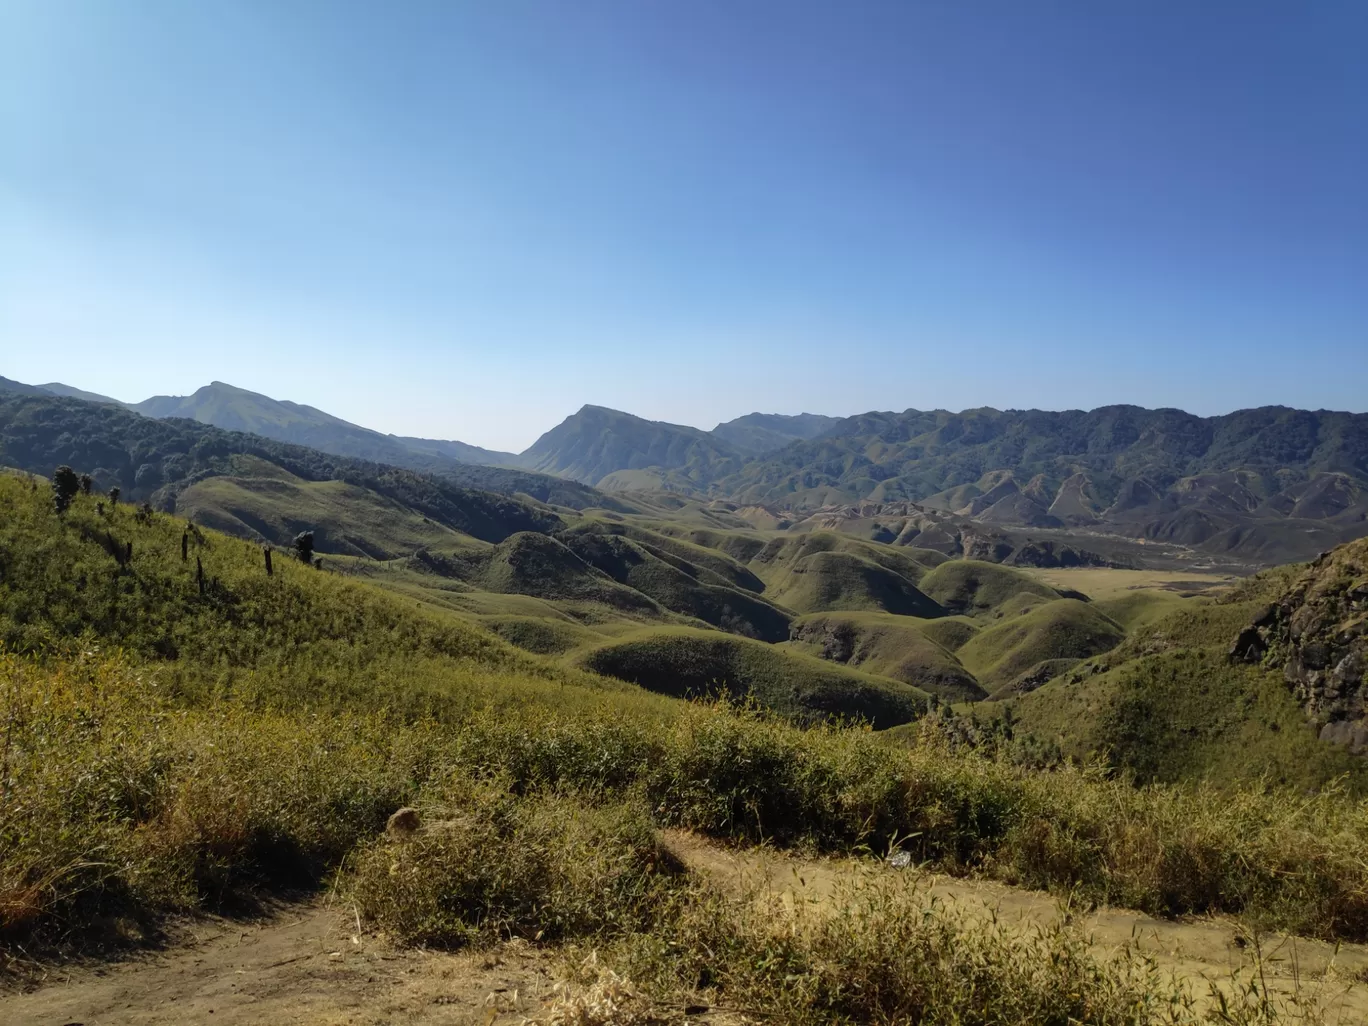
(1200, 951)
(305, 965)
(308, 965)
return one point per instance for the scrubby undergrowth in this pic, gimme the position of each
(117, 802)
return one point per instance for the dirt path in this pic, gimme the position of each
(1200, 951)
(304, 965)
(308, 965)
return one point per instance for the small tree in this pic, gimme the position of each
(303, 543)
(65, 485)
(86, 483)
(114, 496)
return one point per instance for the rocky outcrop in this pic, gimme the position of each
(1317, 631)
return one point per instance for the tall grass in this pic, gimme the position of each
(887, 953)
(117, 800)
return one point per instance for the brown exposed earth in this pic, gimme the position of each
(310, 964)
(304, 964)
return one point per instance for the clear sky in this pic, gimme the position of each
(466, 219)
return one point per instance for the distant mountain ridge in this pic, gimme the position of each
(236, 409)
(1268, 484)
(760, 433)
(615, 450)
(57, 388)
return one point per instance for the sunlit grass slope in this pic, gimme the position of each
(971, 586)
(269, 504)
(254, 737)
(889, 646)
(825, 571)
(1062, 629)
(698, 664)
(123, 802)
(297, 637)
(1168, 705)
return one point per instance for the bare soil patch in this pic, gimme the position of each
(306, 964)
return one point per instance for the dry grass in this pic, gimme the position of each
(119, 808)
(1102, 583)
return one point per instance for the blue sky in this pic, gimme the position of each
(465, 220)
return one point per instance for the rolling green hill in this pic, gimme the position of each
(216, 624)
(586, 573)
(216, 620)
(1059, 629)
(890, 646)
(1169, 705)
(685, 587)
(682, 662)
(825, 571)
(975, 587)
(266, 503)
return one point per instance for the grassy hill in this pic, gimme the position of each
(298, 637)
(679, 585)
(536, 564)
(975, 587)
(155, 460)
(1053, 630)
(1168, 705)
(267, 503)
(826, 571)
(688, 663)
(187, 733)
(661, 560)
(889, 646)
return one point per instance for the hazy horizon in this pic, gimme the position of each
(467, 221)
(703, 427)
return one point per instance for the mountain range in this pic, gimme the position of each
(1263, 485)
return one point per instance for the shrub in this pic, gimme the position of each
(65, 486)
(889, 953)
(488, 866)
